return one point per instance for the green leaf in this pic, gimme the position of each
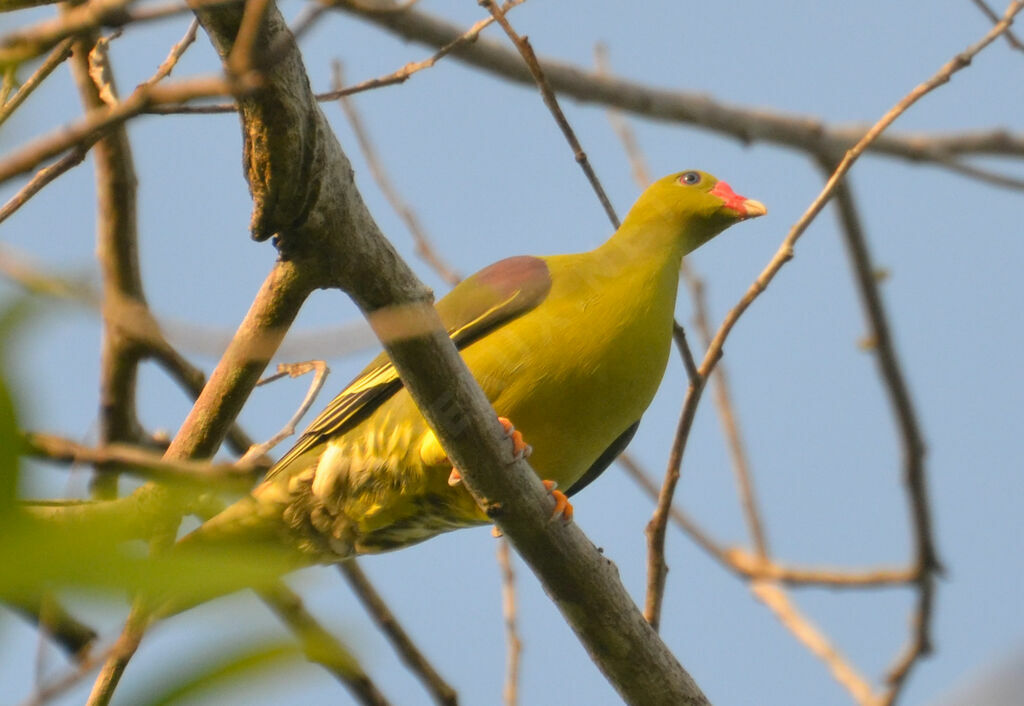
(213, 673)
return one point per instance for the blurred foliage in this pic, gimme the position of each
(231, 665)
(51, 546)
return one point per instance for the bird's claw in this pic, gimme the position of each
(520, 449)
(563, 508)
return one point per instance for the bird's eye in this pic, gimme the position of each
(689, 178)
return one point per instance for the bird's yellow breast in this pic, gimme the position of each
(574, 374)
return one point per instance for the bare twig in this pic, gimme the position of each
(116, 253)
(685, 352)
(41, 178)
(56, 623)
(395, 78)
(439, 689)
(56, 57)
(657, 570)
(926, 562)
(308, 16)
(29, 42)
(1010, 37)
(164, 70)
(239, 62)
(320, 646)
(77, 153)
(26, 43)
(293, 370)
(514, 646)
(75, 675)
(522, 44)
(805, 631)
(424, 247)
(97, 122)
(142, 461)
(753, 566)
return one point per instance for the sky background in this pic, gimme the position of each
(489, 175)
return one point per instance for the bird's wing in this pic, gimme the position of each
(604, 460)
(478, 305)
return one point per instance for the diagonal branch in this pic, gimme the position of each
(56, 57)
(522, 44)
(926, 562)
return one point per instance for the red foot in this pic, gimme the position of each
(563, 508)
(520, 448)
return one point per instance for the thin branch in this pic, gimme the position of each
(239, 63)
(46, 693)
(439, 689)
(522, 44)
(745, 124)
(29, 42)
(7, 85)
(307, 18)
(685, 352)
(514, 646)
(55, 58)
(293, 370)
(141, 461)
(926, 562)
(395, 78)
(1010, 37)
(41, 179)
(424, 247)
(985, 175)
(56, 623)
(753, 566)
(657, 569)
(116, 253)
(843, 672)
(320, 646)
(165, 68)
(95, 123)
(24, 44)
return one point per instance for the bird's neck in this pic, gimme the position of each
(645, 246)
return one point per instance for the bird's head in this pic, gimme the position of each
(692, 207)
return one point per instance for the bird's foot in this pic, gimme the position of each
(563, 508)
(520, 449)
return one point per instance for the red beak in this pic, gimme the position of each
(746, 208)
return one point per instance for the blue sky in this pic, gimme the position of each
(490, 176)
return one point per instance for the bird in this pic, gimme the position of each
(569, 350)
